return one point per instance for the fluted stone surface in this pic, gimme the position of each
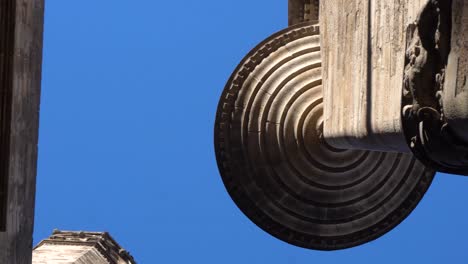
(363, 51)
(279, 170)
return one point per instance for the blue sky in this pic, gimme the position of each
(129, 95)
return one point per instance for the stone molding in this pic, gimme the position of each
(100, 241)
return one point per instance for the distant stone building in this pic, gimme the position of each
(302, 11)
(67, 247)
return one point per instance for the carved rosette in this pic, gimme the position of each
(279, 170)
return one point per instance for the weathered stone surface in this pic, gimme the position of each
(302, 11)
(435, 111)
(50, 253)
(21, 23)
(7, 38)
(363, 49)
(65, 247)
(455, 95)
(279, 170)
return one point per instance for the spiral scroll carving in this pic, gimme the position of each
(279, 170)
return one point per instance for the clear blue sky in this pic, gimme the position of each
(129, 94)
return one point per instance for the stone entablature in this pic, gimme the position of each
(67, 247)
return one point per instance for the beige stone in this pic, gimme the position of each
(65, 247)
(363, 50)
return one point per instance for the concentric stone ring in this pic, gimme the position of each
(279, 170)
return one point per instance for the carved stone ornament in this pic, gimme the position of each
(279, 170)
(434, 109)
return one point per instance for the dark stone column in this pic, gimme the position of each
(21, 28)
